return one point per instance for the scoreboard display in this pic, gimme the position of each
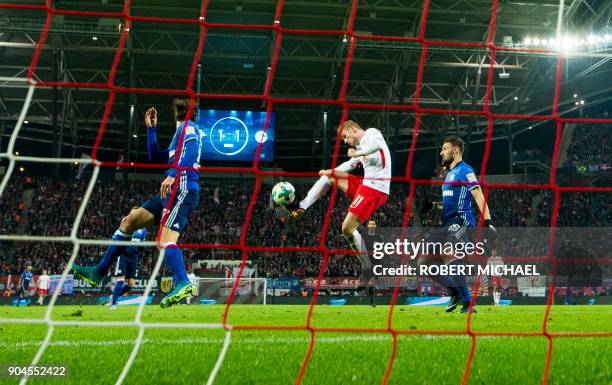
(234, 135)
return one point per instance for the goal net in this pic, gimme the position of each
(422, 47)
(219, 290)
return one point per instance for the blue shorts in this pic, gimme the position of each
(176, 216)
(455, 230)
(25, 290)
(127, 264)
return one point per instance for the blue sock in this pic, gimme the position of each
(126, 289)
(112, 252)
(461, 282)
(174, 260)
(117, 291)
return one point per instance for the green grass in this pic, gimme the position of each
(96, 355)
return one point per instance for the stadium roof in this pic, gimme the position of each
(235, 61)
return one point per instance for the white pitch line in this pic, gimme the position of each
(236, 341)
(226, 343)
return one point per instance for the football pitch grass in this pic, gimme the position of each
(96, 355)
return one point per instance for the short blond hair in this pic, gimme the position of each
(347, 125)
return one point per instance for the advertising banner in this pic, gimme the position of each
(66, 287)
(293, 283)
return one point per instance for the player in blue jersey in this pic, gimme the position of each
(126, 270)
(24, 284)
(460, 186)
(186, 145)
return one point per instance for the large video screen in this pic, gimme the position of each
(233, 135)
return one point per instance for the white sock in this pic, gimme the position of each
(357, 245)
(316, 191)
(496, 298)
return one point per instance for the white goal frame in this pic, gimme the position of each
(77, 242)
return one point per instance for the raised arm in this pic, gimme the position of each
(155, 154)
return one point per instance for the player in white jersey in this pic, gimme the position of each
(43, 287)
(495, 260)
(368, 148)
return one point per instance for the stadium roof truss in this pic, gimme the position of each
(159, 55)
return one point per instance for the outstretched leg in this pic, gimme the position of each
(319, 189)
(136, 219)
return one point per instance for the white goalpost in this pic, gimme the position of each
(74, 239)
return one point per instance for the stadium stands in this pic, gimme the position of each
(225, 205)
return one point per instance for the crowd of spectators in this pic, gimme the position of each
(11, 205)
(579, 209)
(220, 219)
(305, 265)
(591, 144)
(508, 207)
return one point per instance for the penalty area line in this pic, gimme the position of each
(236, 340)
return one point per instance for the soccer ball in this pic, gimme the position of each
(283, 193)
